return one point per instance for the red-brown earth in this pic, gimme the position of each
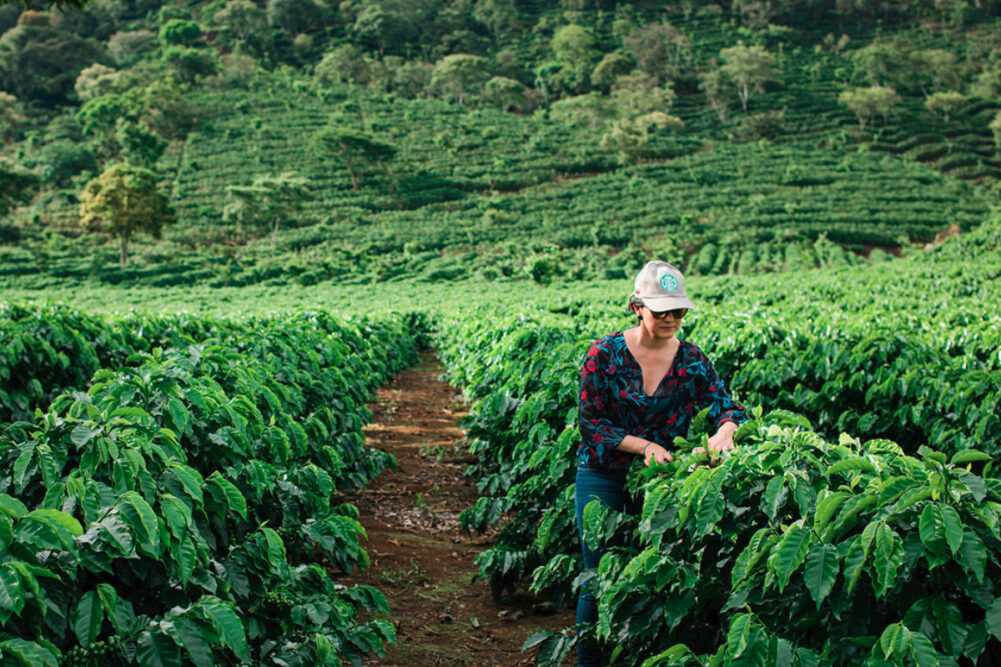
(420, 558)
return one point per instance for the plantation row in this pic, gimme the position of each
(734, 209)
(812, 547)
(176, 505)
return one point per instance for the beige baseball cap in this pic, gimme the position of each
(661, 287)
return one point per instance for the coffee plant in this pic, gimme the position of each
(178, 508)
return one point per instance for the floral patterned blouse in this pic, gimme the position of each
(613, 403)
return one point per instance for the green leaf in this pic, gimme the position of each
(29, 654)
(178, 414)
(973, 555)
(276, 548)
(187, 634)
(191, 481)
(49, 529)
(738, 635)
(109, 598)
(994, 618)
(849, 465)
(157, 650)
(87, 618)
(227, 624)
(931, 528)
(83, 434)
(176, 514)
(12, 595)
(226, 493)
(969, 456)
(709, 502)
(951, 629)
(826, 509)
(953, 528)
(775, 494)
(750, 556)
(895, 641)
(925, 654)
(140, 517)
(822, 566)
(12, 507)
(789, 553)
(887, 557)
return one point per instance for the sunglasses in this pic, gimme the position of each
(677, 313)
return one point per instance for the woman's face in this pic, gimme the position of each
(660, 325)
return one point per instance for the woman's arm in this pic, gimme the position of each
(724, 412)
(597, 431)
(649, 450)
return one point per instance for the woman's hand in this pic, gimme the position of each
(654, 453)
(722, 441)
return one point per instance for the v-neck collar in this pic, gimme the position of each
(674, 362)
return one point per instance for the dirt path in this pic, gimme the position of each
(420, 558)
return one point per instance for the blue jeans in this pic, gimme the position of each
(609, 488)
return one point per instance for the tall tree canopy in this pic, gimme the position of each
(351, 147)
(123, 201)
(266, 201)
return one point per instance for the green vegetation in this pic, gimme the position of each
(430, 136)
(217, 178)
(176, 504)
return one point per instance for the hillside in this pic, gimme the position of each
(517, 140)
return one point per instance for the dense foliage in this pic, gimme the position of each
(177, 505)
(826, 360)
(430, 136)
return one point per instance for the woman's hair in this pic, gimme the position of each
(635, 301)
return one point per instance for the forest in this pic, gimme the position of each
(311, 141)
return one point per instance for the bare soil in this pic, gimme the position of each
(420, 558)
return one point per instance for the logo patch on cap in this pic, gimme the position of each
(669, 282)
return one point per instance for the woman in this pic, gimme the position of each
(639, 389)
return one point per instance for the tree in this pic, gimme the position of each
(191, 64)
(412, 78)
(496, 15)
(382, 27)
(638, 93)
(629, 137)
(458, 73)
(945, 103)
(344, 64)
(660, 49)
(180, 32)
(128, 47)
(122, 202)
(592, 110)
(575, 48)
(867, 101)
(139, 145)
(39, 63)
(885, 64)
(242, 17)
(99, 117)
(95, 81)
(749, 68)
(612, 66)
(942, 67)
(293, 16)
(714, 83)
(995, 128)
(506, 92)
(266, 202)
(351, 147)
